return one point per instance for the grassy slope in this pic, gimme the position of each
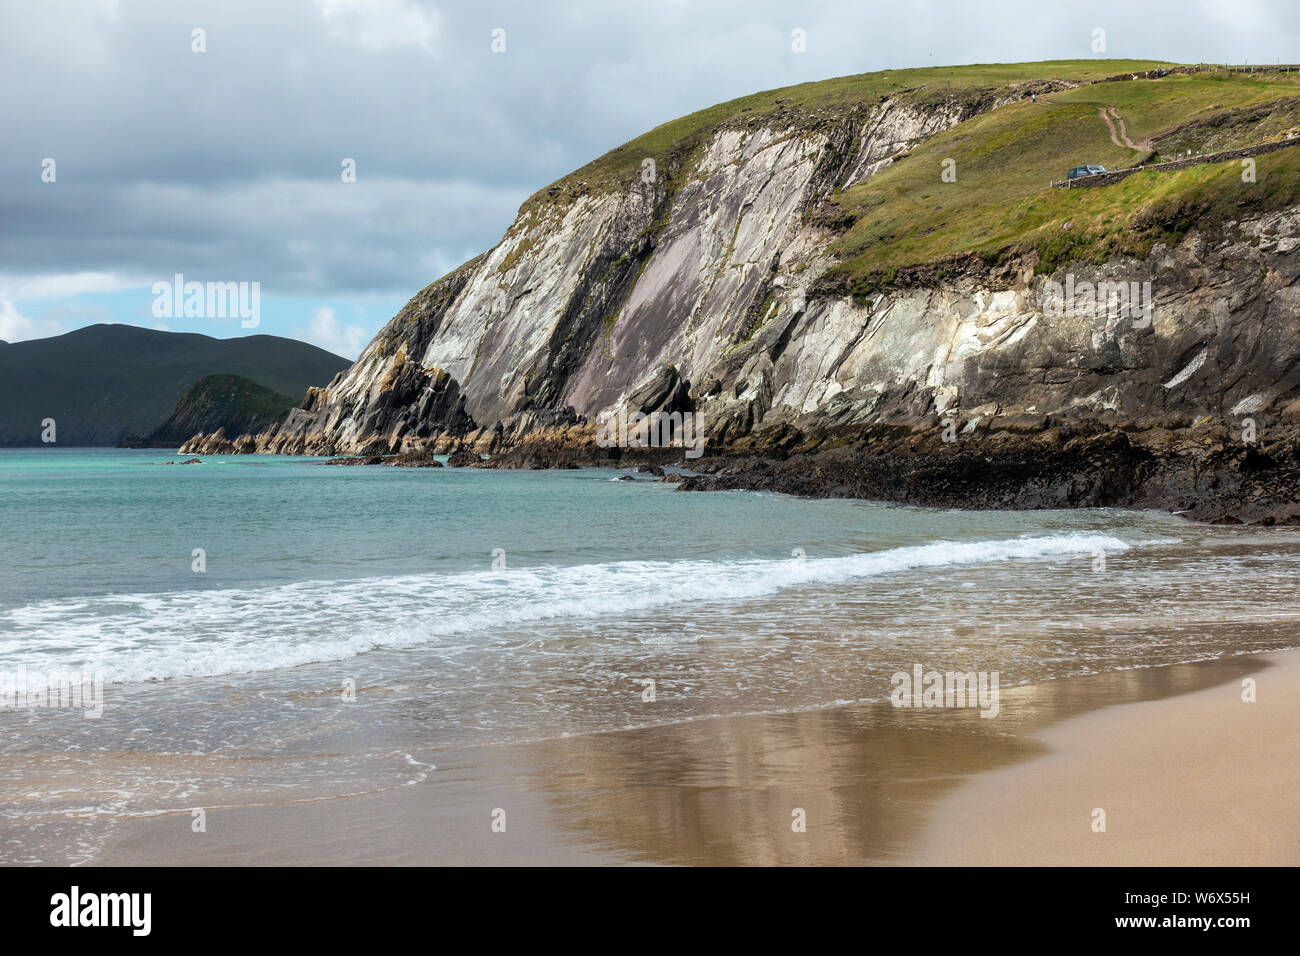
(829, 98)
(105, 382)
(1006, 160)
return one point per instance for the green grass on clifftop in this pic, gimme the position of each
(832, 99)
(1007, 159)
(905, 218)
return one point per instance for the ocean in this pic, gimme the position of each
(271, 629)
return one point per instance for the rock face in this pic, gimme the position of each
(590, 294)
(1222, 341)
(408, 407)
(702, 289)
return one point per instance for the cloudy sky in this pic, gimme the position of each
(227, 164)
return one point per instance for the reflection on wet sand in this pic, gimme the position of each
(715, 791)
(723, 791)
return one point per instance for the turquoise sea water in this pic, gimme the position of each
(472, 606)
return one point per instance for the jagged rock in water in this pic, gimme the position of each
(462, 458)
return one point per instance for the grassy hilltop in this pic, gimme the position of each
(1006, 158)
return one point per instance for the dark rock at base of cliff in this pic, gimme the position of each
(463, 458)
(415, 461)
(358, 460)
(417, 402)
(218, 444)
(412, 410)
(420, 460)
(1205, 477)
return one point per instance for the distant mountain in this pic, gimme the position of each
(105, 383)
(216, 402)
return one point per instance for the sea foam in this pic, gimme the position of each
(136, 637)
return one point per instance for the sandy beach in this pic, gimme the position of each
(1199, 779)
(1185, 770)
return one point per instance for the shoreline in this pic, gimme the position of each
(1089, 471)
(878, 786)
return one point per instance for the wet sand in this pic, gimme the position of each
(1186, 772)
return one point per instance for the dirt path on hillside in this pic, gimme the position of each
(1121, 133)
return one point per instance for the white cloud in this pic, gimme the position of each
(380, 24)
(63, 285)
(16, 327)
(326, 331)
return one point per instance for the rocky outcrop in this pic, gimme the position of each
(463, 458)
(991, 349)
(1206, 473)
(408, 407)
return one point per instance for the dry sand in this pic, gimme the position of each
(1185, 770)
(1204, 778)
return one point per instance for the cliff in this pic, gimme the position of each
(876, 269)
